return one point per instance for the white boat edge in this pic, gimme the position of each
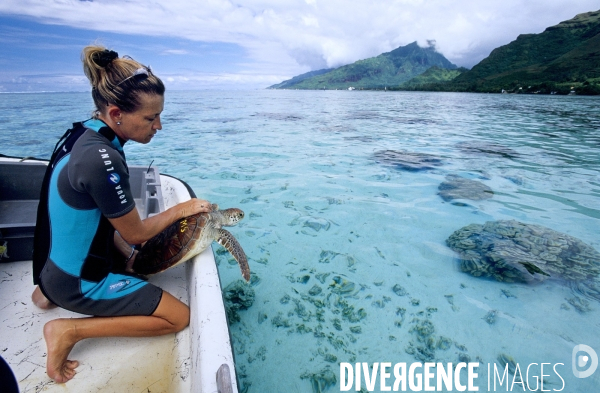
(209, 333)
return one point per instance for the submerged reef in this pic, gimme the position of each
(408, 161)
(425, 343)
(399, 290)
(512, 251)
(328, 313)
(490, 317)
(238, 296)
(342, 286)
(487, 148)
(311, 225)
(590, 290)
(505, 360)
(581, 305)
(456, 187)
(322, 380)
(424, 349)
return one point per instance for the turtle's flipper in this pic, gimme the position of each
(227, 240)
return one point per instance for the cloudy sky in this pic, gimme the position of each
(226, 44)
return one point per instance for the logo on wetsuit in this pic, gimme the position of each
(118, 286)
(113, 178)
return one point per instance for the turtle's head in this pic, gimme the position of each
(232, 215)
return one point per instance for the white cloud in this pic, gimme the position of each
(228, 81)
(175, 52)
(43, 82)
(293, 36)
(173, 81)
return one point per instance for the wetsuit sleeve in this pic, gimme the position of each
(102, 172)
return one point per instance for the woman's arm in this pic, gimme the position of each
(134, 230)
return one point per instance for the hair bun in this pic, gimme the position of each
(104, 57)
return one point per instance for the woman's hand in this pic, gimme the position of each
(136, 231)
(194, 206)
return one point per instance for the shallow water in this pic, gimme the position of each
(347, 248)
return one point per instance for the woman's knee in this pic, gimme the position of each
(173, 311)
(41, 301)
(182, 319)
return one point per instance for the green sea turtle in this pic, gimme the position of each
(187, 238)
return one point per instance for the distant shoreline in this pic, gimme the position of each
(389, 90)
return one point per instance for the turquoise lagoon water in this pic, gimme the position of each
(347, 250)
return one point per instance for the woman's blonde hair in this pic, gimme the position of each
(118, 81)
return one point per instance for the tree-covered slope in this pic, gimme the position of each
(299, 78)
(432, 77)
(566, 53)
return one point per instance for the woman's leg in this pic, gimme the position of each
(38, 298)
(122, 246)
(61, 335)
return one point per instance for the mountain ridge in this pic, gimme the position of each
(388, 69)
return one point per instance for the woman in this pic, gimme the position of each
(85, 198)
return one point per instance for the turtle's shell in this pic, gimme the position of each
(171, 246)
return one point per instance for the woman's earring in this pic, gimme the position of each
(118, 123)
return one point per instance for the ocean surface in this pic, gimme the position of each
(346, 230)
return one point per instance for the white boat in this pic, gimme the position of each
(189, 361)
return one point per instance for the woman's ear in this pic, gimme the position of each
(114, 113)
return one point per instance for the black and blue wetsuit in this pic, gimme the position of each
(87, 183)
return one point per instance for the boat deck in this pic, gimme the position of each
(156, 364)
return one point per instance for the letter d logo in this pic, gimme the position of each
(578, 361)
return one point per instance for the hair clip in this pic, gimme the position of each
(143, 73)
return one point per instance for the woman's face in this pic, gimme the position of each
(140, 126)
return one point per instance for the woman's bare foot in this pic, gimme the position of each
(60, 336)
(38, 298)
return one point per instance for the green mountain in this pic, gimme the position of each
(563, 56)
(386, 70)
(297, 79)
